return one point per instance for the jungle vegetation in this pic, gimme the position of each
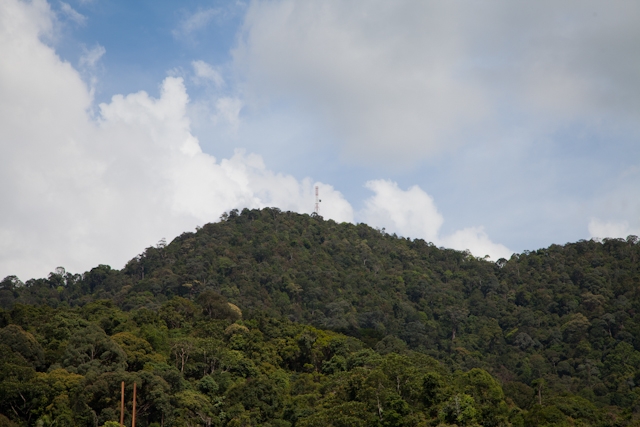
(270, 318)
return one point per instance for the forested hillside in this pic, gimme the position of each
(341, 325)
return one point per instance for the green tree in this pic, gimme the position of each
(459, 410)
(24, 343)
(137, 350)
(90, 350)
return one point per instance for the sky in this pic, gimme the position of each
(494, 127)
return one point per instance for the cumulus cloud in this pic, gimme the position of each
(476, 240)
(191, 183)
(413, 213)
(78, 191)
(409, 213)
(402, 80)
(602, 229)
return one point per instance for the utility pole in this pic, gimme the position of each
(133, 419)
(122, 405)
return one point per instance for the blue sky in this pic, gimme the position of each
(146, 39)
(497, 127)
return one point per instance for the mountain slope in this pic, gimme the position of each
(557, 321)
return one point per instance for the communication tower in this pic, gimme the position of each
(317, 209)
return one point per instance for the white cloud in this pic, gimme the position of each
(90, 57)
(398, 81)
(409, 213)
(195, 22)
(79, 191)
(612, 229)
(374, 71)
(205, 72)
(476, 240)
(413, 213)
(72, 14)
(228, 110)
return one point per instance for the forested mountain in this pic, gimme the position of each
(341, 325)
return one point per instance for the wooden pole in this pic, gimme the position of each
(133, 419)
(122, 405)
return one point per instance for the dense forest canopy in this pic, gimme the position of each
(279, 319)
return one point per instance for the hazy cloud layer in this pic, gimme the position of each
(206, 73)
(90, 57)
(398, 81)
(194, 22)
(72, 14)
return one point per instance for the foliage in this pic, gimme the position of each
(274, 318)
